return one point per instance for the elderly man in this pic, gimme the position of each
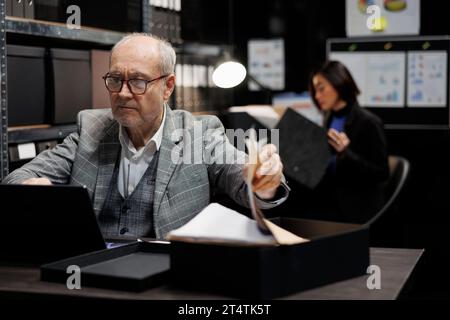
(125, 156)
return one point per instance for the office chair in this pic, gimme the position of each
(384, 225)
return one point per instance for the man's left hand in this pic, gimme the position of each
(268, 173)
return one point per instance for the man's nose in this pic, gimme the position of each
(125, 91)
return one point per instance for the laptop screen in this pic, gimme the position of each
(42, 224)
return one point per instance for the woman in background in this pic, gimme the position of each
(351, 189)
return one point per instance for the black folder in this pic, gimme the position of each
(30, 108)
(71, 72)
(304, 149)
(133, 267)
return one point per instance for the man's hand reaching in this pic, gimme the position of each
(268, 172)
(37, 181)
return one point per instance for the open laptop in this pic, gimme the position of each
(40, 224)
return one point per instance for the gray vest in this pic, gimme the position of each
(131, 216)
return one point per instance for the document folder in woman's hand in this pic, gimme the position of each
(304, 149)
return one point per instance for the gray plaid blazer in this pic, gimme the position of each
(87, 158)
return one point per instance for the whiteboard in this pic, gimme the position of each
(385, 84)
(380, 76)
(427, 79)
(356, 64)
(266, 63)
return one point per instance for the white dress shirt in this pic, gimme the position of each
(134, 163)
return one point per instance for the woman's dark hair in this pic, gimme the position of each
(339, 77)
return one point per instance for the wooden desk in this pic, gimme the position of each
(396, 267)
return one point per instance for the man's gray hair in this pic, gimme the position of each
(166, 51)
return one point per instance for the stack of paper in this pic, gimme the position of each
(265, 114)
(220, 225)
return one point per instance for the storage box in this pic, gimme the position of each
(100, 66)
(337, 251)
(132, 267)
(51, 10)
(26, 85)
(71, 71)
(123, 15)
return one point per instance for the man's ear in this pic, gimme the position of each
(170, 86)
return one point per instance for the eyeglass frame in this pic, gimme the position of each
(128, 84)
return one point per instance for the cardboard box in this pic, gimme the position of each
(336, 252)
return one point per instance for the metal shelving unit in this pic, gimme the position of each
(60, 30)
(21, 26)
(40, 134)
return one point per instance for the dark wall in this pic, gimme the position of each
(304, 24)
(423, 220)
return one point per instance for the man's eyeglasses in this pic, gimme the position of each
(135, 85)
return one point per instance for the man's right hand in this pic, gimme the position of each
(37, 181)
